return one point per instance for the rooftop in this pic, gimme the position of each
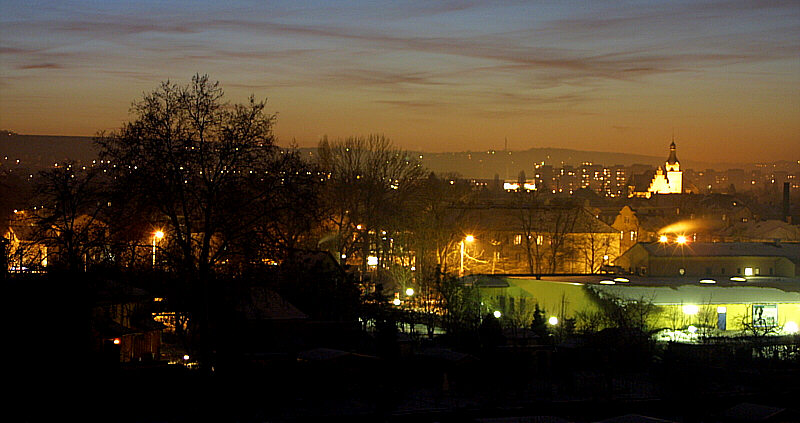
(725, 249)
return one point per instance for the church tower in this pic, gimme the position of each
(669, 179)
(673, 170)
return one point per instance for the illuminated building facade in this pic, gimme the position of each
(667, 179)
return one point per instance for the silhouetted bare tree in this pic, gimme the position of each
(367, 190)
(69, 202)
(201, 164)
(209, 175)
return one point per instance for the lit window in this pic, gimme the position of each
(517, 239)
(748, 271)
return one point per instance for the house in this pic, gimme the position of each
(763, 231)
(25, 253)
(123, 329)
(627, 223)
(535, 238)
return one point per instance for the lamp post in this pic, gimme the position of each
(157, 235)
(468, 238)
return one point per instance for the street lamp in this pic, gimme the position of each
(468, 238)
(157, 235)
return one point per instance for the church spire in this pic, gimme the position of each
(673, 158)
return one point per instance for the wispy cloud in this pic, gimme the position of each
(41, 66)
(497, 60)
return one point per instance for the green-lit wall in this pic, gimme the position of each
(565, 299)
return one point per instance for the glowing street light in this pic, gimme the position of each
(497, 314)
(410, 291)
(663, 239)
(157, 236)
(553, 320)
(681, 239)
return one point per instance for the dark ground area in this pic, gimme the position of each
(404, 390)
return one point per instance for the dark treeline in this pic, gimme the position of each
(193, 201)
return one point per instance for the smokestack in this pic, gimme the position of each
(786, 209)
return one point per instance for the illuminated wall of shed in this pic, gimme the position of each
(565, 299)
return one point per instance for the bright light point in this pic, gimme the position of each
(344, 256)
(738, 279)
(663, 238)
(690, 309)
(621, 280)
(469, 238)
(116, 341)
(396, 301)
(607, 282)
(722, 309)
(790, 327)
(359, 227)
(186, 356)
(497, 314)
(158, 234)
(681, 240)
(410, 291)
(692, 328)
(372, 261)
(553, 320)
(707, 281)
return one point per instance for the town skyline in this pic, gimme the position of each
(721, 77)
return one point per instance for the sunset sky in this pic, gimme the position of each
(434, 76)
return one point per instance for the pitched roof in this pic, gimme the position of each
(672, 159)
(266, 304)
(546, 218)
(700, 294)
(641, 181)
(725, 249)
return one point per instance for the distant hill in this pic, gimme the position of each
(41, 151)
(508, 164)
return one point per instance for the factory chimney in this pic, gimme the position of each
(786, 210)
